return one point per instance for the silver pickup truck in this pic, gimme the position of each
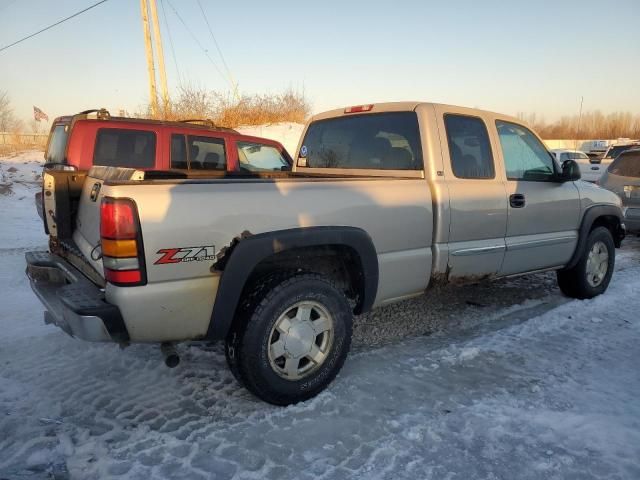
(384, 200)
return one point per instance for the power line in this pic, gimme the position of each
(51, 26)
(215, 42)
(173, 51)
(198, 42)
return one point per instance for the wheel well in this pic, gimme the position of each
(611, 223)
(340, 263)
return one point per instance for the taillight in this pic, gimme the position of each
(358, 108)
(121, 241)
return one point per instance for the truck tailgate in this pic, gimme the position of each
(87, 233)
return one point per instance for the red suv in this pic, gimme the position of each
(94, 137)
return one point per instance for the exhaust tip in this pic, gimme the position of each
(171, 357)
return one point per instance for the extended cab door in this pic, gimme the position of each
(478, 209)
(544, 213)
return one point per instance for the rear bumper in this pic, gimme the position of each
(72, 302)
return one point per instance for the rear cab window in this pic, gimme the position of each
(193, 152)
(125, 148)
(57, 144)
(378, 141)
(257, 157)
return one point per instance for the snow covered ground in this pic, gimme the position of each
(495, 381)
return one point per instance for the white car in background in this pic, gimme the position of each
(589, 170)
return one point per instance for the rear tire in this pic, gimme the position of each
(291, 339)
(591, 275)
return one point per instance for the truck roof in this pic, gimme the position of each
(399, 107)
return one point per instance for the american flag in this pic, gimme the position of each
(39, 114)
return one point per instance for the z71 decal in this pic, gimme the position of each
(185, 254)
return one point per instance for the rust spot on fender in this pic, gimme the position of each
(223, 255)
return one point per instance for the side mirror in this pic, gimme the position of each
(570, 171)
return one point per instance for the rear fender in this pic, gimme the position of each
(249, 251)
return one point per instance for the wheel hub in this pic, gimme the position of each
(299, 339)
(597, 264)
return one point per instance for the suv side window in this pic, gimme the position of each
(206, 153)
(258, 157)
(525, 157)
(197, 153)
(469, 147)
(57, 144)
(125, 148)
(179, 151)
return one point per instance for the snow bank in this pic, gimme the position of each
(288, 134)
(20, 179)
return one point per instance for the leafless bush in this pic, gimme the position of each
(226, 110)
(260, 109)
(8, 120)
(592, 125)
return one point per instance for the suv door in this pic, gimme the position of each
(543, 213)
(477, 202)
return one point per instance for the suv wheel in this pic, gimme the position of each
(592, 274)
(292, 340)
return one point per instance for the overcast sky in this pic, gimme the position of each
(508, 56)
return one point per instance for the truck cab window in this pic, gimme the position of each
(525, 158)
(469, 147)
(256, 157)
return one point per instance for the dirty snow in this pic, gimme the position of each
(494, 381)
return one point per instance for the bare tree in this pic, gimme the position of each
(593, 125)
(8, 121)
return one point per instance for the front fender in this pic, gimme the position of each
(590, 216)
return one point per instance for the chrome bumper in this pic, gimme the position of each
(72, 302)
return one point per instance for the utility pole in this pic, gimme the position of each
(160, 54)
(149, 50)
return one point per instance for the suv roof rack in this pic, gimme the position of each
(101, 113)
(200, 121)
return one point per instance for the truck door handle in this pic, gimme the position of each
(516, 200)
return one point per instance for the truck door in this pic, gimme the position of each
(544, 214)
(477, 202)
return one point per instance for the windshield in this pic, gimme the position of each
(613, 152)
(257, 157)
(57, 144)
(574, 156)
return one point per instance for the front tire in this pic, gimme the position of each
(591, 275)
(291, 341)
